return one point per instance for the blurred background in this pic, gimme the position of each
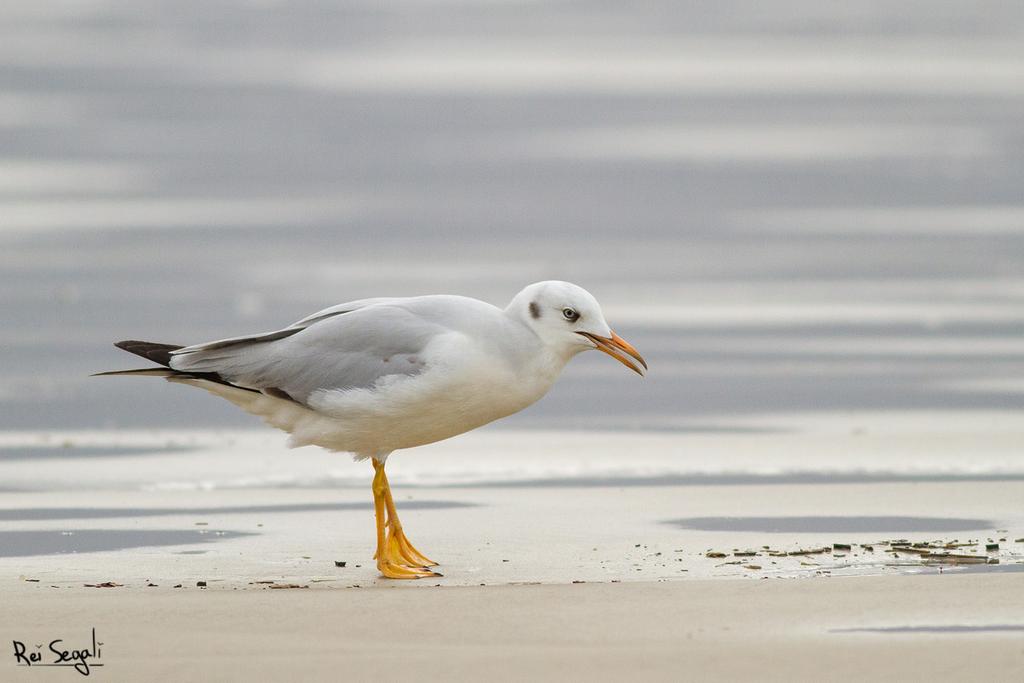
(789, 207)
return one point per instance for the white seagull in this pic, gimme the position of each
(373, 376)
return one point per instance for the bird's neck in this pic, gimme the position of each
(545, 361)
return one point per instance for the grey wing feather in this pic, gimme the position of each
(295, 327)
(338, 309)
(327, 350)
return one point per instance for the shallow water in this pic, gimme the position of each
(33, 543)
(789, 210)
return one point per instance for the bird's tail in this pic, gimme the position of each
(282, 412)
(158, 353)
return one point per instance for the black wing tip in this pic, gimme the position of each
(158, 353)
(146, 372)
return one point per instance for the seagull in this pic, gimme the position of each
(373, 376)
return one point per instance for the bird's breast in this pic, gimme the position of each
(462, 387)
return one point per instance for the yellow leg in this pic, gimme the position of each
(378, 509)
(408, 550)
(396, 558)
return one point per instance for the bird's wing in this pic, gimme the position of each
(294, 328)
(344, 347)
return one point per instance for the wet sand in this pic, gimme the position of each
(496, 536)
(499, 506)
(766, 553)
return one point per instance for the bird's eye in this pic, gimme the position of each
(570, 315)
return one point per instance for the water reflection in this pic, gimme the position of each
(30, 543)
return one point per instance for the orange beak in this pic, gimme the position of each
(615, 346)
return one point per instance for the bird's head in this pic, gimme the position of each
(568, 319)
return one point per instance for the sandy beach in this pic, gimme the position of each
(842, 629)
(666, 566)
